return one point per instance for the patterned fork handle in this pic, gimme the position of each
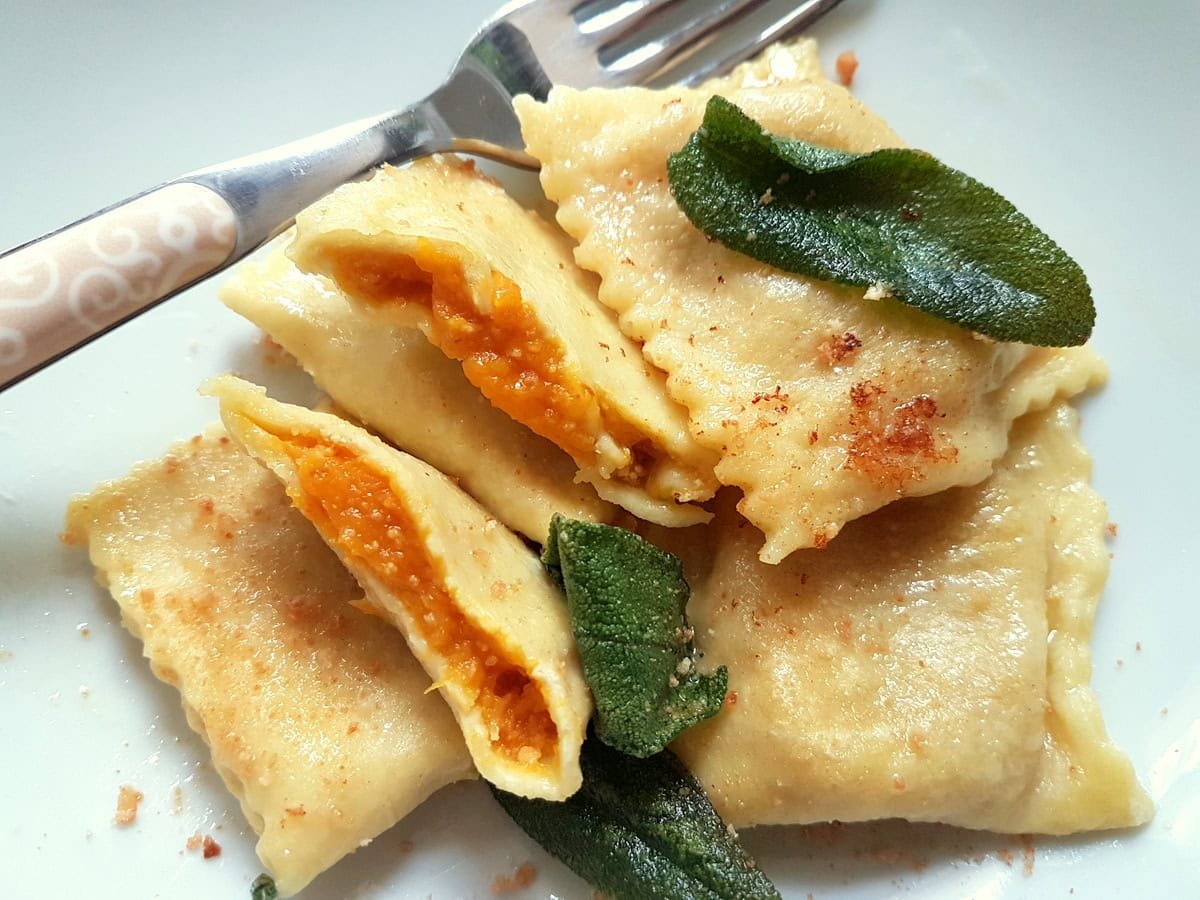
(65, 289)
(60, 291)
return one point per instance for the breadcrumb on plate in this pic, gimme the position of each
(128, 799)
(846, 66)
(522, 878)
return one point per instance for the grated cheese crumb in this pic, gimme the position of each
(128, 800)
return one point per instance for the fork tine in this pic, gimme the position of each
(642, 63)
(799, 18)
(612, 20)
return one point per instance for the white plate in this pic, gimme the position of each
(1084, 114)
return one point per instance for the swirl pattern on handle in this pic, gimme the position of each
(61, 290)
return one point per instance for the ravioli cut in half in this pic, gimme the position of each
(394, 381)
(438, 246)
(318, 718)
(931, 664)
(473, 602)
(823, 405)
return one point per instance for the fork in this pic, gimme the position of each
(62, 290)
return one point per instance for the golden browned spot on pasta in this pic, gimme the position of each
(836, 347)
(892, 444)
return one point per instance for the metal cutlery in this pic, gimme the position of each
(62, 290)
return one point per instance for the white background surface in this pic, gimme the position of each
(1085, 115)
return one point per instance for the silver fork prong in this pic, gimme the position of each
(643, 62)
(797, 19)
(600, 21)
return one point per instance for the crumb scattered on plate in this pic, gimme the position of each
(846, 65)
(128, 799)
(522, 878)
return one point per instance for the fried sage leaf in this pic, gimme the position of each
(894, 220)
(627, 600)
(263, 888)
(641, 828)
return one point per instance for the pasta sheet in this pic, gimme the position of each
(474, 603)
(822, 405)
(391, 378)
(931, 664)
(318, 718)
(438, 246)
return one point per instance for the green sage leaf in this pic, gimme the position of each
(263, 888)
(641, 828)
(927, 234)
(626, 600)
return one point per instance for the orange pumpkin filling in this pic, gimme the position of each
(504, 353)
(355, 508)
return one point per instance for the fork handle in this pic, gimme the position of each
(62, 290)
